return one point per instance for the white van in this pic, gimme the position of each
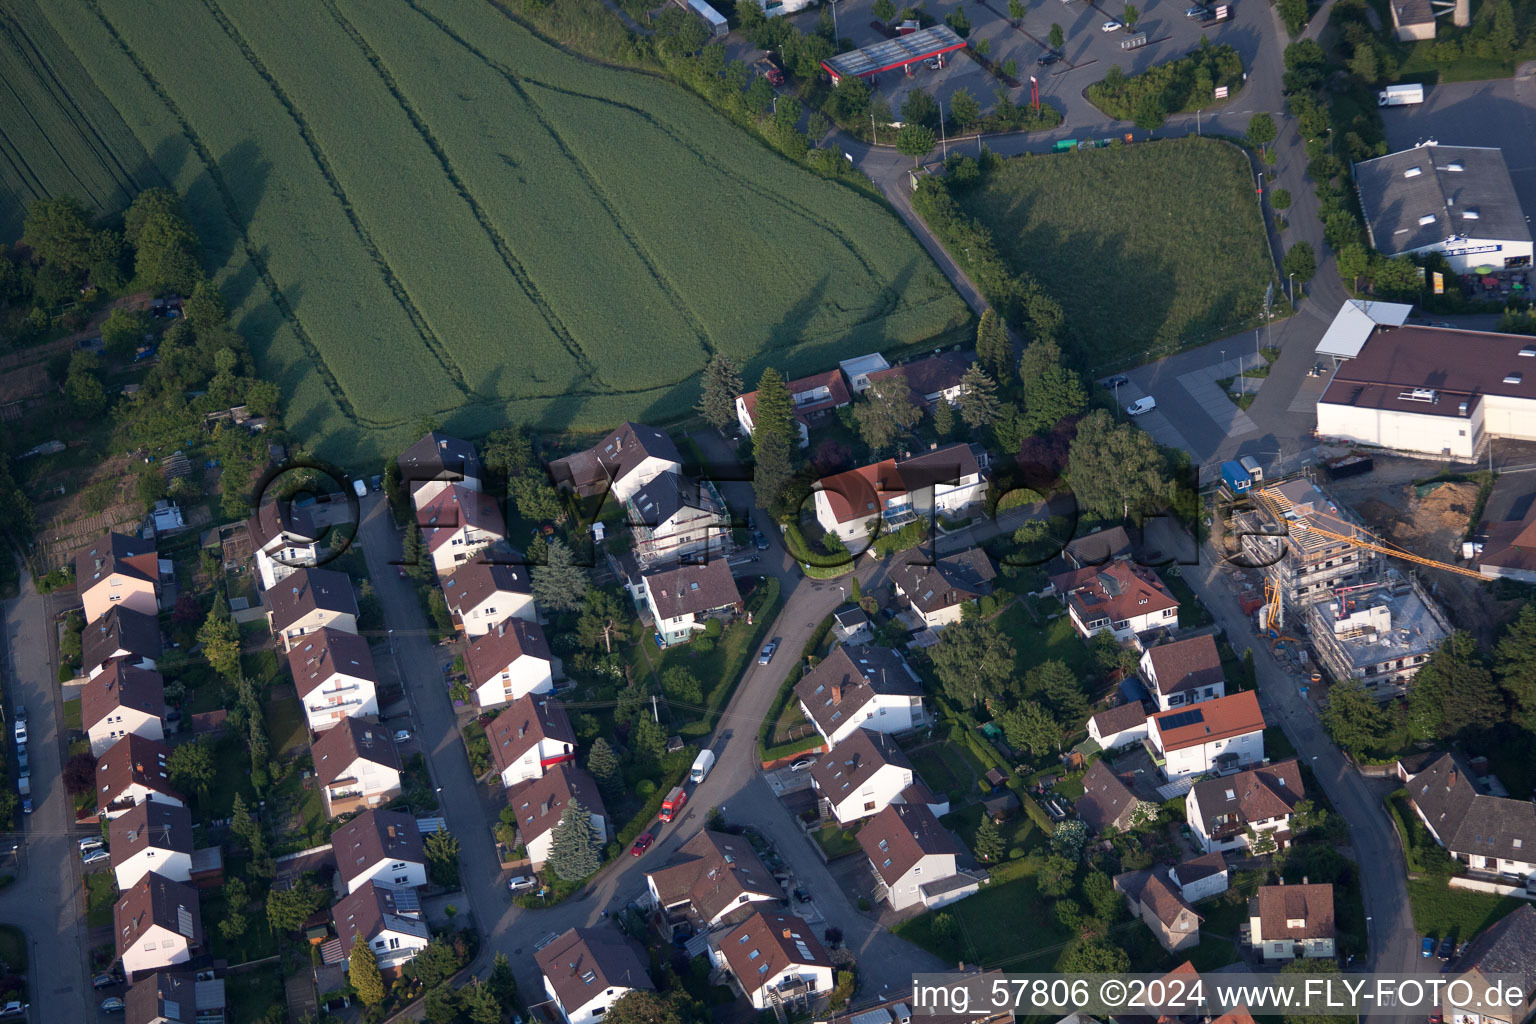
(360, 488)
(1141, 405)
(701, 766)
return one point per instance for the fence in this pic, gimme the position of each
(1478, 885)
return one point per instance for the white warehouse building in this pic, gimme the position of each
(1456, 200)
(1432, 390)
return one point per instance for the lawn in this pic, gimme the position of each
(947, 768)
(286, 729)
(1018, 832)
(257, 943)
(251, 994)
(1439, 909)
(1056, 639)
(501, 149)
(100, 896)
(1004, 921)
(72, 715)
(837, 842)
(1193, 265)
(1192, 614)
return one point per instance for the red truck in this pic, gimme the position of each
(673, 803)
(770, 70)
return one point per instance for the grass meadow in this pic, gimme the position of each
(423, 209)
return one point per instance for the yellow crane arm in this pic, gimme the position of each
(1394, 552)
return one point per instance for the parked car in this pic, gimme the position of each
(112, 1004)
(1427, 949)
(14, 1009)
(768, 651)
(932, 64)
(1110, 26)
(104, 981)
(1205, 16)
(402, 735)
(802, 764)
(95, 857)
(21, 724)
(1196, 11)
(642, 843)
(90, 843)
(26, 805)
(1447, 947)
(801, 896)
(1047, 59)
(377, 482)
(1117, 381)
(759, 540)
(1141, 405)
(519, 882)
(23, 764)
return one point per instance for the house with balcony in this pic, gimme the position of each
(932, 378)
(776, 961)
(1494, 836)
(892, 493)
(176, 997)
(308, 601)
(334, 674)
(151, 836)
(673, 520)
(913, 859)
(509, 662)
(857, 370)
(1155, 898)
(457, 524)
(1290, 921)
(1222, 811)
(489, 589)
(284, 537)
(122, 635)
(356, 766)
(117, 571)
(389, 921)
(382, 847)
(870, 688)
(865, 774)
(122, 700)
(436, 462)
(1183, 672)
(684, 599)
(812, 399)
(1223, 736)
(530, 737)
(937, 590)
(1123, 598)
(618, 465)
(134, 770)
(539, 803)
(157, 923)
(587, 970)
(714, 878)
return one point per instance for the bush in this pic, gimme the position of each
(1178, 86)
(645, 788)
(1016, 853)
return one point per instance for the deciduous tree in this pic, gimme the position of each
(1353, 718)
(58, 231)
(887, 410)
(1300, 261)
(220, 639)
(964, 108)
(288, 909)
(1030, 727)
(1058, 37)
(191, 767)
(1116, 469)
(973, 660)
(915, 140)
(1261, 130)
(1094, 957)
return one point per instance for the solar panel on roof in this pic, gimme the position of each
(1182, 719)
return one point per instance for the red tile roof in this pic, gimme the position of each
(861, 493)
(1116, 591)
(456, 507)
(1208, 721)
(1312, 905)
(832, 380)
(515, 638)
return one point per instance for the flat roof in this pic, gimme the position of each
(1433, 370)
(1415, 628)
(1435, 194)
(894, 53)
(1355, 321)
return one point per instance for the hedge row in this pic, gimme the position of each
(987, 754)
(765, 731)
(766, 607)
(664, 785)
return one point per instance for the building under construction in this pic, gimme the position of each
(1378, 633)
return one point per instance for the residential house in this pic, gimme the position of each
(118, 572)
(1183, 672)
(1106, 802)
(1120, 597)
(121, 700)
(775, 960)
(713, 878)
(508, 662)
(176, 997)
(383, 847)
(1201, 877)
(1222, 811)
(1155, 898)
(892, 493)
(389, 921)
(851, 625)
(456, 524)
(930, 378)
(1119, 726)
(434, 463)
(284, 537)
(914, 859)
(486, 591)
(684, 599)
(539, 803)
(1508, 548)
(587, 970)
(1492, 835)
(356, 766)
(156, 923)
(858, 369)
(152, 836)
(122, 635)
(672, 520)
(1098, 548)
(870, 687)
(334, 674)
(1287, 921)
(812, 399)
(865, 774)
(529, 737)
(134, 770)
(618, 465)
(1506, 947)
(310, 600)
(1222, 736)
(937, 590)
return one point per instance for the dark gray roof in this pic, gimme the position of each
(122, 632)
(163, 995)
(1105, 801)
(692, 589)
(1472, 823)
(325, 653)
(539, 803)
(1187, 872)
(663, 497)
(1412, 12)
(1399, 190)
(1508, 946)
(939, 465)
(1100, 547)
(952, 579)
(851, 617)
(367, 912)
(157, 900)
(308, 589)
(116, 554)
(613, 458)
(834, 691)
(281, 518)
(339, 747)
(438, 457)
(582, 963)
(853, 762)
(497, 569)
(371, 837)
(900, 836)
(151, 824)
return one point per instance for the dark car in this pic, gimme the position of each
(759, 540)
(802, 896)
(1205, 16)
(1046, 60)
(1197, 11)
(1116, 382)
(104, 981)
(1447, 947)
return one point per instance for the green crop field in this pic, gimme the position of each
(1148, 248)
(422, 209)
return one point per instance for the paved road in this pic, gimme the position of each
(45, 899)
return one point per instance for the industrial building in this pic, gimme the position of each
(1454, 200)
(1379, 633)
(1433, 390)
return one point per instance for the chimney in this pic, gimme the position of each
(786, 933)
(1450, 779)
(391, 831)
(1303, 879)
(1282, 880)
(501, 629)
(837, 693)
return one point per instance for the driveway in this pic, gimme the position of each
(44, 901)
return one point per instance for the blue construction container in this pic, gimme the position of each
(1235, 477)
